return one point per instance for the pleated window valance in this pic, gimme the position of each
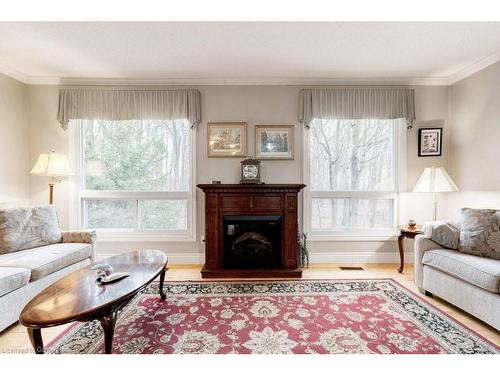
(357, 103)
(128, 104)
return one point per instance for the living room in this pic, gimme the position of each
(223, 187)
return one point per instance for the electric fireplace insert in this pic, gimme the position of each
(252, 241)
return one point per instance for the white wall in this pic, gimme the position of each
(254, 105)
(45, 135)
(431, 111)
(475, 141)
(13, 143)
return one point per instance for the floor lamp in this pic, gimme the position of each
(52, 165)
(434, 180)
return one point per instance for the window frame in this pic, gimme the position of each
(79, 194)
(400, 141)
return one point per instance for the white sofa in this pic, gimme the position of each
(469, 282)
(24, 273)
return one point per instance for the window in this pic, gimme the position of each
(136, 177)
(353, 176)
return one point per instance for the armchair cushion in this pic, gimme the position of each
(480, 232)
(445, 233)
(28, 227)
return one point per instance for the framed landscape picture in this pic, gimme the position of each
(274, 142)
(227, 140)
(430, 141)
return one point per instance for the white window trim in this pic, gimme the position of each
(127, 235)
(365, 236)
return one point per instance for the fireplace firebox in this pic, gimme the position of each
(251, 230)
(252, 241)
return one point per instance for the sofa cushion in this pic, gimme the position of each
(43, 261)
(480, 232)
(13, 278)
(28, 227)
(481, 272)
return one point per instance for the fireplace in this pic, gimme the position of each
(251, 230)
(252, 241)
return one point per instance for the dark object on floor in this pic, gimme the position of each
(353, 268)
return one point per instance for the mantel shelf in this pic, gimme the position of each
(259, 188)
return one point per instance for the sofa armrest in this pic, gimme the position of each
(444, 232)
(81, 237)
(422, 244)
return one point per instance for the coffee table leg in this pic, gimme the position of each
(162, 279)
(108, 326)
(35, 335)
(401, 253)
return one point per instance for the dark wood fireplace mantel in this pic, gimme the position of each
(251, 200)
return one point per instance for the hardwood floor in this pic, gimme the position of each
(15, 339)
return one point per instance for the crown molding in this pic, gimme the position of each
(43, 80)
(474, 68)
(221, 81)
(254, 81)
(13, 73)
(429, 81)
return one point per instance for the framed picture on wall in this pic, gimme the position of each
(430, 141)
(227, 140)
(274, 142)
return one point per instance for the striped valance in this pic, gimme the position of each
(357, 103)
(128, 104)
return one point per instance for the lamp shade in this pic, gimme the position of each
(434, 180)
(52, 164)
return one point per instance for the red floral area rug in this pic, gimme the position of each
(278, 317)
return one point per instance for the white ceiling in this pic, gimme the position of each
(254, 52)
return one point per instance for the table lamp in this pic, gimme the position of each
(54, 166)
(434, 180)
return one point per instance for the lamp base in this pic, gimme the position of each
(53, 181)
(51, 193)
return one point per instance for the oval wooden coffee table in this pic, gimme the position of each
(77, 297)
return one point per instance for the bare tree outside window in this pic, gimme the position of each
(146, 157)
(136, 155)
(346, 158)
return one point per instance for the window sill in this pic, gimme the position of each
(105, 236)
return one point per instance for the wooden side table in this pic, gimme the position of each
(407, 232)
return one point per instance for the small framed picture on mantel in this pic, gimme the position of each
(274, 142)
(430, 141)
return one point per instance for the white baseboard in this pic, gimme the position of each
(353, 257)
(173, 258)
(358, 257)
